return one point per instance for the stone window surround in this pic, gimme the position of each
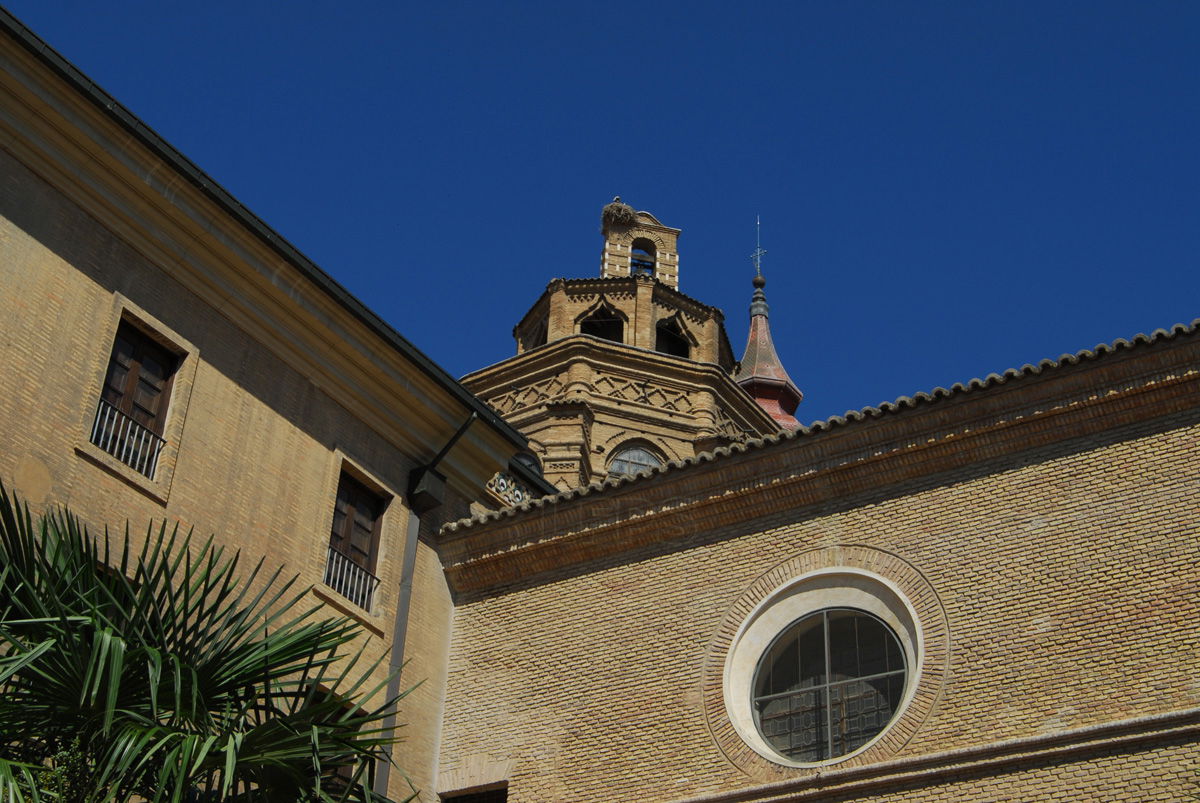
(157, 487)
(805, 595)
(867, 572)
(391, 535)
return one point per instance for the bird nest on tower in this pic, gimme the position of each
(617, 214)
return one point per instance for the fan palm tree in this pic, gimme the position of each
(166, 674)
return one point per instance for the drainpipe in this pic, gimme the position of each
(426, 492)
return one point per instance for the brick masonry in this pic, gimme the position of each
(1042, 525)
(256, 439)
(1058, 548)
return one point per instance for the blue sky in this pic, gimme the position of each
(947, 189)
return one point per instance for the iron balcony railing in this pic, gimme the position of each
(350, 580)
(126, 439)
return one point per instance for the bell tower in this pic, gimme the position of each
(636, 244)
(620, 373)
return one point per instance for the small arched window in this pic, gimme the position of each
(642, 257)
(530, 461)
(604, 323)
(629, 460)
(670, 339)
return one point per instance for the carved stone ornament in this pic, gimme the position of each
(508, 489)
(727, 428)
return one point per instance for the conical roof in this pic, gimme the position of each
(761, 373)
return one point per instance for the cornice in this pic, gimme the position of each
(869, 451)
(610, 284)
(623, 360)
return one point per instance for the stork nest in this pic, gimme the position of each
(617, 214)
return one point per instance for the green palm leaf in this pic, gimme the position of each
(167, 673)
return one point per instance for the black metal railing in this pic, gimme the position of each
(350, 580)
(126, 439)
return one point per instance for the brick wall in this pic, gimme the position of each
(1067, 579)
(257, 448)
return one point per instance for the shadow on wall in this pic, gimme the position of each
(59, 225)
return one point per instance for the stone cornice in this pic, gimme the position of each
(1081, 395)
(628, 284)
(698, 309)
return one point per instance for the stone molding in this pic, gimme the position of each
(1009, 755)
(591, 359)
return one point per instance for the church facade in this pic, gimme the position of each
(983, 593)
(619, 565)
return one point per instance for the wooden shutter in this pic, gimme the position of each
(356, 515)
(139, 375)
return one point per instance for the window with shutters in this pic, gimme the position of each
(354, 541)
(133, 400)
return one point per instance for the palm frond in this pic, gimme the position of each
(169, 674)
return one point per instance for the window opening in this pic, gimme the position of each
(133, 401)
(642, 257)
(828, 685)
(631, 460)
(670, 339)
(530, 461)
(536, 336)
(605, 324)
(354, 542)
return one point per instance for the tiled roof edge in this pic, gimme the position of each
(851, 416)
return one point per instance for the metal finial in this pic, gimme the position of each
(758, 254)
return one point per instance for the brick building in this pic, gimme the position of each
(171, 357)
(982, 593)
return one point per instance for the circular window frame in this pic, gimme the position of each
(882, 573)
(825, 589)
(821, 590)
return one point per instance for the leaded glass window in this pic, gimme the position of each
(631, 460)
(828, 685)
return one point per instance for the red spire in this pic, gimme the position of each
(761, 374)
